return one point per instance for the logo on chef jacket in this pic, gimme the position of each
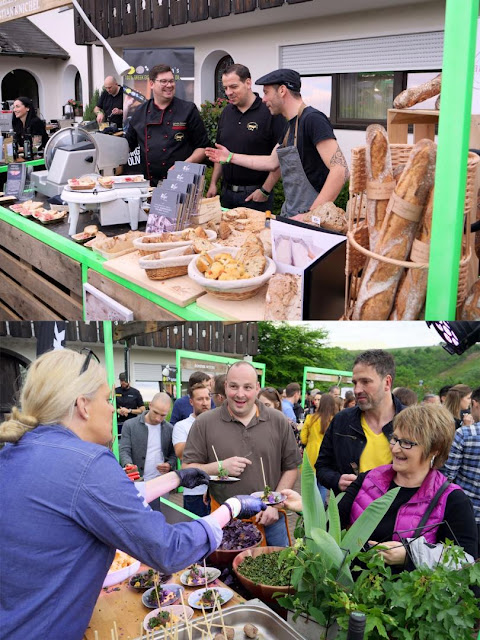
(252, 126)
(179, 136)
(179, 126)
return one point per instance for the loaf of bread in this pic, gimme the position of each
(471, 307)
(380, 181)
(251, 255)
(328, 216)
(284, 297)
(380, 279)
(412, 289)
(414, 95)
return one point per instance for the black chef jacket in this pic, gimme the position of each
(107, 103)
(255, 132)
(130, 398)
(165, 135)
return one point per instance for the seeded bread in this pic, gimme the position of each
(283, 300)
(330, 217)
(201, 245)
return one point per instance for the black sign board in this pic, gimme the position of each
(16, 176)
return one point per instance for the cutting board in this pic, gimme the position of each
(242, 310)
(180, 290)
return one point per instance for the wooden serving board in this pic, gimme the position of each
(123, 605)
(242, 310)
(180, 290)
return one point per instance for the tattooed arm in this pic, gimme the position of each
(334, 159)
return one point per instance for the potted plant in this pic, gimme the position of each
(77, 107)
(412, 605)
(320, 563)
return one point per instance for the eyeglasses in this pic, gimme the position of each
(89, 356)
(405, 444)
(165, 82)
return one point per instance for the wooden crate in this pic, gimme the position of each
(37, 281)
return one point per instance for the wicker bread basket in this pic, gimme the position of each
(231, 289)
(148, 247)
(358, 239)
(166, 264)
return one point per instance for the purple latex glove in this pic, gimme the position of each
(192, 477)
(249, 506)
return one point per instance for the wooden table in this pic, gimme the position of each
(122, 604)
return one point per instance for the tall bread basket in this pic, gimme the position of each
(357, 236)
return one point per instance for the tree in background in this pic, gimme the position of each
(287, 348)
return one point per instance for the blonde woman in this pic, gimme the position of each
(67, 504)
(457, 401)
(314, 429)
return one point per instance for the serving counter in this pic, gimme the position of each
(123, 605)
(42, 275)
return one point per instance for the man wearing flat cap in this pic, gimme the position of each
(313, 166)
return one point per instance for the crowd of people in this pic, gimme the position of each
(84, 505)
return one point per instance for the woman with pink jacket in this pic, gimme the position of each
(428, 509)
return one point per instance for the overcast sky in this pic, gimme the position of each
(378, 335)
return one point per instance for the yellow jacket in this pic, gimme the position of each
(311, 436)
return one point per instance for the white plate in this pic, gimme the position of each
(223, 479)
(162, 587)
(176, 609)
(276, 494)
(212, 574)
(194, 597)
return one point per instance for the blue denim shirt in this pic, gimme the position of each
(66, 505)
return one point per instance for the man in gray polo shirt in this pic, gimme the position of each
(243, 431)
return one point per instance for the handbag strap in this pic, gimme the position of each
(418, 530)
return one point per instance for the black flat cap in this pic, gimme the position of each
(290, 78)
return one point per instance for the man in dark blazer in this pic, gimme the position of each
(147, 441)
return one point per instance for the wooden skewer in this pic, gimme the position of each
(205, 571)
(215, 454)
(141, 631)
(219, 604)
(115, 628)
(263, 472)
(189, 630)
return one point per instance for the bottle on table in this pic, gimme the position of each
(27, 147)
(356, 626)
(14, 145)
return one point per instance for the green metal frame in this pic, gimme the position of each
(452, 153)
(30, 163)
(197, 355)
(332, 372)
(90, 260)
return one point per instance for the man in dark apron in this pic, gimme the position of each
(313, 166)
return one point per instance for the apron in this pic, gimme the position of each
(299, 193)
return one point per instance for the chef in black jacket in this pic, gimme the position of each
(24, 120)
(166, 128)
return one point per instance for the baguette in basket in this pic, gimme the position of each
(380, 279)
(380, 181)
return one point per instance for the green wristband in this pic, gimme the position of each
(229, 157)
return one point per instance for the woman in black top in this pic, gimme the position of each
(25, 121)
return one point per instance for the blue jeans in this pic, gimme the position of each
(195, 505)
(276, 533)
(323, 492)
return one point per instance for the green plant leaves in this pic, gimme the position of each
(334, 528)
(361, 530)
(313, 509)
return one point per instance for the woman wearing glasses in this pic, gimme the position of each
(67, 504)
(427, 504)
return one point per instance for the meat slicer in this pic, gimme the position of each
(74, 152)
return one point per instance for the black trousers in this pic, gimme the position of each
(231, 199)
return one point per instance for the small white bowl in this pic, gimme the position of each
(222, 287)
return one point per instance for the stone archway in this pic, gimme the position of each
(20, 83)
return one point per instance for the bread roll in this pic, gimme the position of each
(412, 289)
(380, 182)
(380, 279)
(414, 95)
(284, 297)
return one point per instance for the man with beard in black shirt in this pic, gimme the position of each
(246, 126)
(110, 104)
